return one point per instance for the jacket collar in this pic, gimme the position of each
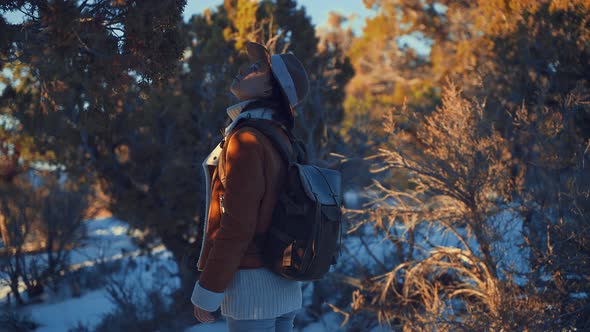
(234, 110)
(236, 113)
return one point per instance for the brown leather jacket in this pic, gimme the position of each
(244, 189)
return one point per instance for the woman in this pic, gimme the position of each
(243, 178)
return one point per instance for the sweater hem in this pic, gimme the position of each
(257, 317)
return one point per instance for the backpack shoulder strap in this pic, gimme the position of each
(270, 132)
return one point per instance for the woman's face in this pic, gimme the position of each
(253, 82)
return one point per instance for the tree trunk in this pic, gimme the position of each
(14, 275)
(4, 231)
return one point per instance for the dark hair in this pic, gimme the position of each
(281, 101)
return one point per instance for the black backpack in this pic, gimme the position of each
(304, 237)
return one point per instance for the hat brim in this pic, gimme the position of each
(257, 52)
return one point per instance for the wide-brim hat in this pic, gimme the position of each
(287, 70)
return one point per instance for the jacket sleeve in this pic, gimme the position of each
(244, 189)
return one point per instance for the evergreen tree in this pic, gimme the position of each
(91, 68)
(110, 97)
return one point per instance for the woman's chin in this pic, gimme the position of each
(240, 94)
(235, 91)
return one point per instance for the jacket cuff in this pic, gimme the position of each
(206, 299)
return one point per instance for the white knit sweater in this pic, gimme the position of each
(260, 294)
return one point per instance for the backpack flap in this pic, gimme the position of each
(321, 183)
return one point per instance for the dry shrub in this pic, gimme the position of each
(140, 306)
(43, 220)
(459, 234)
(11, 320)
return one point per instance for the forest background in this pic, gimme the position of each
(466, 166)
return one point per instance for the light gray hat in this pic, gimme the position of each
(287, 69)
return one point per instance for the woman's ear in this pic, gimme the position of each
(267, 92)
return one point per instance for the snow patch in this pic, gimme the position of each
(59, 317)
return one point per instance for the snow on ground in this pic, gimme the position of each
(217, 326)
(139, 274)
(508, 246)
(108, 241)
(60, 316)
(329, 323)
(107, 238)
(510, 249)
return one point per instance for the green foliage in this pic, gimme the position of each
(84, 77)
(153, 38)
(98, 88)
